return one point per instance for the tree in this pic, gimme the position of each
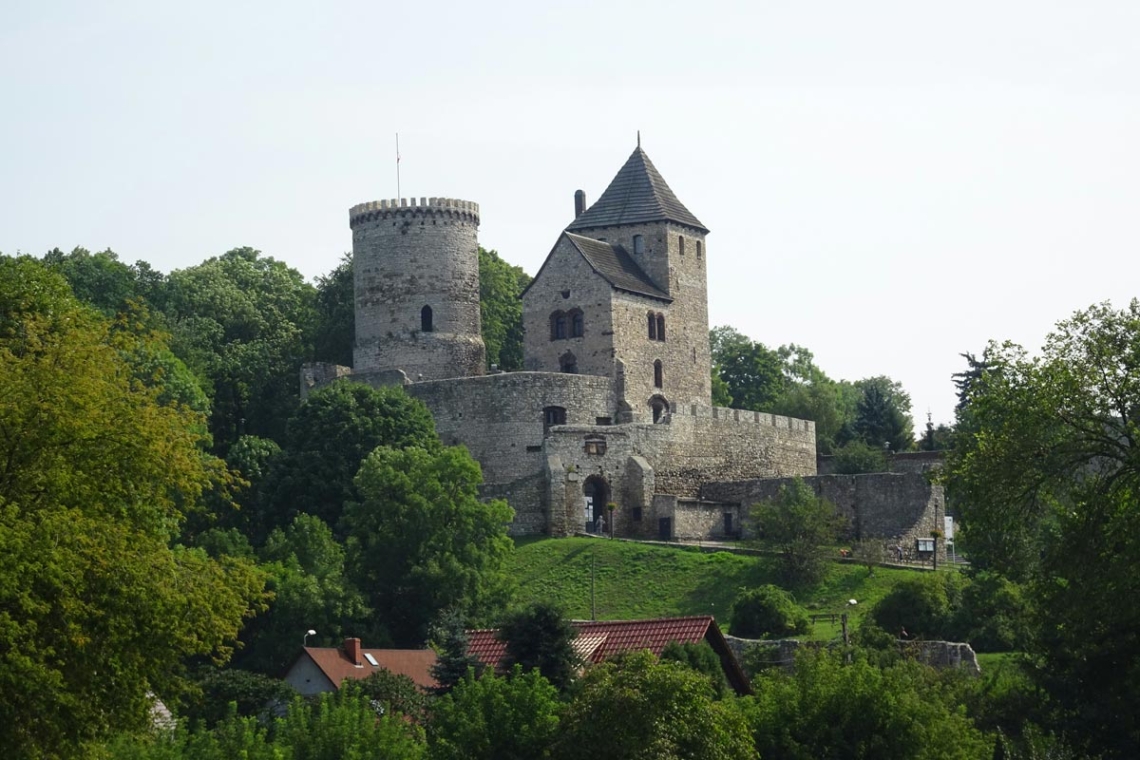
(216, 690)
(335, 333)
(448, 637)
(701, 658)
(328, 437)
(493, 718)
(345, 724)
(832, 709)
(768, 612)
(635, 707)
(1046, 472)
(244, 323)
(99, 607)
(420, 540)
(500, 306)
(540, 638)
(802, 526)
(395, 694)
(753, 373)
(305, 565)
(882, 416)
(102, 281)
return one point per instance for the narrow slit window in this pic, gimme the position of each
(426, 324)
(661, 327)
(658, 374)
(652, 326)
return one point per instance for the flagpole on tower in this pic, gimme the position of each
(397, 165)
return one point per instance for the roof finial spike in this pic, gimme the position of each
(639, 139)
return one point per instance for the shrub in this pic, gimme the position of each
(924, 607)
(768, 612)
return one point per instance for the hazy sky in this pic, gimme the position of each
(887, 183)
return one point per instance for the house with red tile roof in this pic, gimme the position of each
(598, 641)
(320, 669)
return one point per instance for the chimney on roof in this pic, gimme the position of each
(579, 203)
(352, 649)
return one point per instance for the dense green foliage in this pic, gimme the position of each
(828, 708)
(701, 658)
(637, 708)
(802, 527)
(871, 412)
(420, 541)
(326, 441)
(495, 718)
(768, 612)
(98, 606)
(1046, 471)
(500, 308)
(538, 637)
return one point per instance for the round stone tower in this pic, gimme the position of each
(416, 272)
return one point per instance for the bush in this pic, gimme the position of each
(923, 607)
(858, 457)
(768, 612)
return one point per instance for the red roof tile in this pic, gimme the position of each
(603, 639)
(416, 664)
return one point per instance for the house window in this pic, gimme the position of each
(557, 326)
(577, 324)
(553, 415)
(661, 327)
(638, 244)
(595, 445)
(568, 363)
(425, 319)
(657, 374)
(681, 244)
(652, 326)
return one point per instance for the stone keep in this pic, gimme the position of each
(416, 275)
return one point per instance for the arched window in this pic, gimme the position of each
(681, 244)
(657, 374)
(660, 327)
(659, 406)
(557, 325)
(652, 326)
(638, 244)
(577, 324)
(425, 320)
(568, 363)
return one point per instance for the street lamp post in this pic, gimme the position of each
(308, 633)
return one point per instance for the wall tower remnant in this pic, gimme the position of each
(416, 282)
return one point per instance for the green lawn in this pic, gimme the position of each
(638, 580)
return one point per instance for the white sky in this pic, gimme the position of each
(887, 183)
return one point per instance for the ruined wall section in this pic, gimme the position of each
(409, 257)
(500, 419)
(897, 507)
(568, 282)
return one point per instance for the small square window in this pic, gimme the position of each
(595, 445)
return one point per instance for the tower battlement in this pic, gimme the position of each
(405, 208)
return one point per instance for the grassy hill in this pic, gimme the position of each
(638, 580)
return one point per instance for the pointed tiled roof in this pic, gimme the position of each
(638, 194)
(615, 264)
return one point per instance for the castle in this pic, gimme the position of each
(614, 404)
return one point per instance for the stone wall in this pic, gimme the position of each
(905, 461)
(408, 257)
(500, 419)
(937, 654)
(897, 507)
